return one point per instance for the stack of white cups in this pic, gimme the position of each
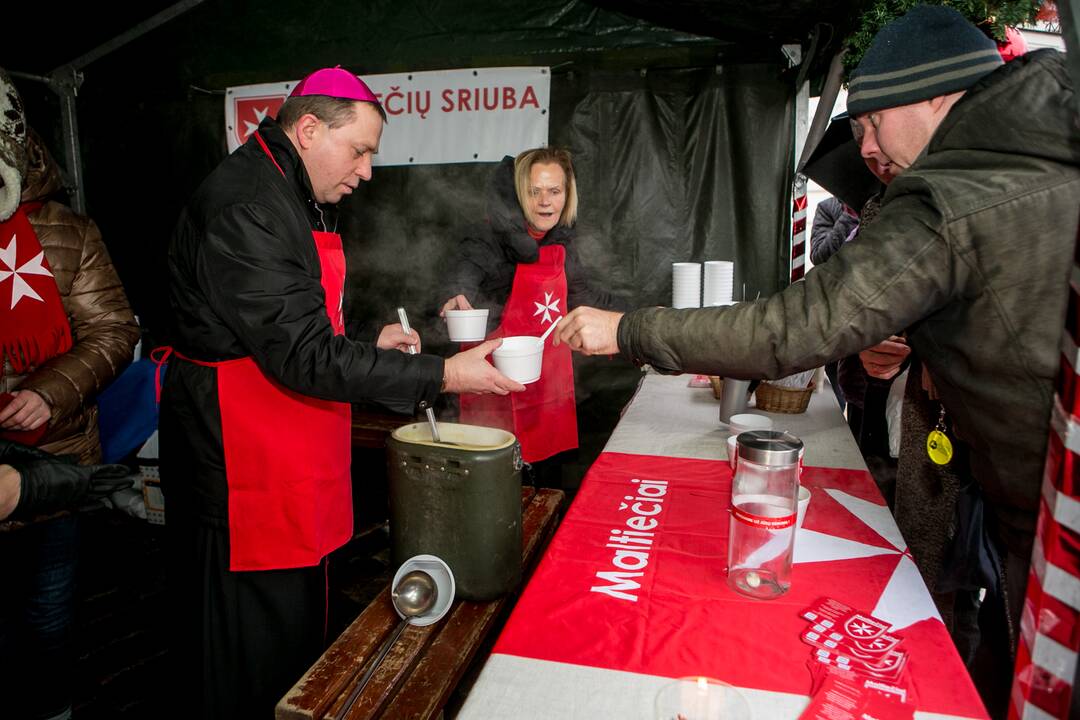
(685, 285)
(719, 282)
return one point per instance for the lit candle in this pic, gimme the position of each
(701, 700)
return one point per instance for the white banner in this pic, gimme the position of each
(444, 116)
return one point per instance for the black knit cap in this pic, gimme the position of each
(930, 51)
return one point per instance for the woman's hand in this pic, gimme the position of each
(458, 302)
(26, 411)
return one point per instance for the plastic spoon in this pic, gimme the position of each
(404, 319)
(548, 331)
(414, 596)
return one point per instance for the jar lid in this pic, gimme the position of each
(769, 447)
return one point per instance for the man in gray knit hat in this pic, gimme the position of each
(917, 68)
(970, 255)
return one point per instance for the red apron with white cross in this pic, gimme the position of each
(544, 417)
(287, 455)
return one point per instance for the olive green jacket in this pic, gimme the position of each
(970, 255)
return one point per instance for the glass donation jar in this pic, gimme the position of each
(764, 500)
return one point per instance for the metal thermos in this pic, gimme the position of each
(733, 398)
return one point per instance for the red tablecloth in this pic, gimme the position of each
(609, 594)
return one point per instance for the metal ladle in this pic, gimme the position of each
(414, 595)
(404, 319)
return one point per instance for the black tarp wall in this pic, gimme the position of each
(672, 165)
(682, 143)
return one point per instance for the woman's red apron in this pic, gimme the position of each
(544, 417)
(287, 455)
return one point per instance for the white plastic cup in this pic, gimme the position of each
(804, 501)
(685, 285)
(744, 422)
(466, 325)
(719, 283)
(520, 358)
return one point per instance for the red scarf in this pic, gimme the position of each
(33, 324)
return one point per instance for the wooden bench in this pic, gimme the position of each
(422, 669)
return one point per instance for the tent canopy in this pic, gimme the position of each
(738, 24)
(680, 115)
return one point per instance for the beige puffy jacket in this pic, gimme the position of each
(103, 327)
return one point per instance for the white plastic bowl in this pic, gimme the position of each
(740, 424)
(520, 358)
(466, 325)
(443, 576)
(749, 421)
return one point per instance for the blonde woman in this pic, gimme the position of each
(521, 265)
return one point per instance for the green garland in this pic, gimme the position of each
(992, 17)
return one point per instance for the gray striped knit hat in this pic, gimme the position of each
(930, 51)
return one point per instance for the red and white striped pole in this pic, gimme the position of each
(1046, 659)
(798, 228)
(797, 257)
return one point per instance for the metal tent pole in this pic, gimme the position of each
(65, 81)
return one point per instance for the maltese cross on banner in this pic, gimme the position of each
(250, 111)
(547, 307)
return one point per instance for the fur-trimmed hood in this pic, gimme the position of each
(42, 179)
(12, 146)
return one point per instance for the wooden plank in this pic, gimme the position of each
(337, 668)
(437, 673)
(398, 669)
(324, 687)
(390, 674)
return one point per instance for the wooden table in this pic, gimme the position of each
(419, 673)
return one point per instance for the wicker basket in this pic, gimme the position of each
(773, 398)
(717, 386)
